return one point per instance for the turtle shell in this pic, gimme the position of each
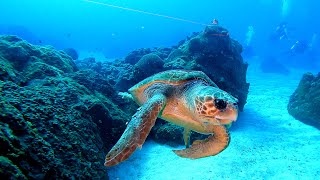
(172, 77)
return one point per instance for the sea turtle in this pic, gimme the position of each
(186, 98)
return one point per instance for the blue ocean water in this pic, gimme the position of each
(89, 26)
(114, 28)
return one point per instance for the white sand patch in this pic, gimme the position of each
(99, 56)
(266, 143)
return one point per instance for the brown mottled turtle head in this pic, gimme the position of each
(215, 106)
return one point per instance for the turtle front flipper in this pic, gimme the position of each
(186, 137)
(208, 147)
(137, 130)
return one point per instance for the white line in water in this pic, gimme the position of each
(145, 12)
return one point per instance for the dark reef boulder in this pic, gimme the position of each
(10, 171)
(125, 75)
(47, 128)
(134, 56)
(167, 133)
(120, 74)
(56, 122)
(21, 61)
(148, 65)
(304, 103)
(89, 63)
(72, 53)
(93, 81)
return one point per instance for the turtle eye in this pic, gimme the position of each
(220, 104)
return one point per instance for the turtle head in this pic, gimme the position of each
(215, 106)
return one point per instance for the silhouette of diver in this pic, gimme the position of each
(281, 32)
(299, 47)
(248, 50)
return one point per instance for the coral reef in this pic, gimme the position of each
(304, 103)
(56, 122)
(21, 61)
(72, 53)
(134, 56)
(148, 65)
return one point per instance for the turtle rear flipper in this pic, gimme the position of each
(209, 147)
(137, 130)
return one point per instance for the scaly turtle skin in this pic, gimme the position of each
(186, 98)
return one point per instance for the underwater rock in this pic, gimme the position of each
(8, 170)
(85, 63)
(98, 83)
(48, 128)
(126, 75)
(89, 63)
(93, 81)
(134, 56)
(170, 134)
(304, 103)
(56, 122)
(163, 132)
(120, 74)
(162, 52)
(148, 65)
(72, 53)
(21, 61)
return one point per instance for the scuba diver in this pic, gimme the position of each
(304, 54)
(248, 50)
(299, 47)
(281, 32)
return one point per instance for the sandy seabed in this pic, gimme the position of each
(266, 143)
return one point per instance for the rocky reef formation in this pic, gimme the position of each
(56, 122)
(72, 53)
(304, 103)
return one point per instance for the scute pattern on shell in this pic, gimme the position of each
(175, 77)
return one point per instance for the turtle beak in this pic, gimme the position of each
(229, 115)
(233, 111)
